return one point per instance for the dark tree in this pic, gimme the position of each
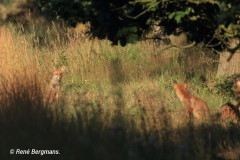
(211, 22)
(214, 23)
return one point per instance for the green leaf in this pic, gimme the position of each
(170, 16)
(132, 38)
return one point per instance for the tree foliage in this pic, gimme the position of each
(212, 22)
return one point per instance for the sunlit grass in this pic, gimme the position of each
(115, 101)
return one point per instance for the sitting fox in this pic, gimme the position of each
(55, 84)
(194, 105)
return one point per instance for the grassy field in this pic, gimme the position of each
(115, 102)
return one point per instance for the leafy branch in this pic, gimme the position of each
(137, 16)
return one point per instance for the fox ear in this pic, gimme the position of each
(185, 85)
(63, 68)
(174, 82)
(53, 68)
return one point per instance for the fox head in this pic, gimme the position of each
(176, 85)
(57, 73)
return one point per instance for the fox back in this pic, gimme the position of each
(54, 85)
(193, 104)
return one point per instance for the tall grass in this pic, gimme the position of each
(115, 102)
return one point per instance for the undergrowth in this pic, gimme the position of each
(115, 102)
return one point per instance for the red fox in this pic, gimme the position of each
(237, 83)
(194, 105)
(54, 85)
(236, 88)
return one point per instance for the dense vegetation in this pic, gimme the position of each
(116, 102)
(209, 22)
